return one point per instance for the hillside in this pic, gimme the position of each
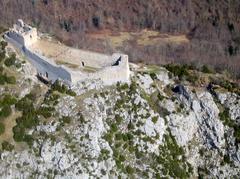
(210, 27)
(169, 121)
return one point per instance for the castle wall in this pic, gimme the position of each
(27, 38)
(110, 69)
(52, 71)
(30, 37)
(110, 74)
(42, 64)
(18, 38)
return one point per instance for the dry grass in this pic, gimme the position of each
(114, 40)
(143, 38)
(147, 37)
(70, 65)
(9, 123)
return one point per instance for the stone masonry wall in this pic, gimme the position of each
(109, 74)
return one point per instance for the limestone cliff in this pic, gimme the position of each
(172, 121)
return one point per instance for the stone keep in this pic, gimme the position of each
(23, 33)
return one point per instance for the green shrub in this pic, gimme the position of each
(57, 86)
(118, 136)
(192, 78)
(178, 70)
(25, 104)
(129, 136)
(2, 55)
(18, 133)
(11, 80)
(71, 93)
(104, 154)
(114, 128)
(8, 100)
(45, 111)
(118, 118)
(155, 119)
(2, 128)
(124, 86)
(28, 120)
(29, 140)
(7, 146)
(130, 170)
(153, 76)
(3, 44)
(122, 158)
(5, 112)
(7, 79)
(10, 61)
(206, 69)
(65, 120)
(160, 97)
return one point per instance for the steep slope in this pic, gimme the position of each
(168, 122)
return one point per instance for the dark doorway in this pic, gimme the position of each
(83, 64)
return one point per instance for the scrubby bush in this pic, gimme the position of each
(7, 146)
(65, 120)
(57, 86)
(3, 44)
(25, 104)
(153, 76)
(2, 55)
(155, 119)
(45, 111)
(10, 61)
(178, 70)
(206, 69)
(114, 128)
(8, 100)
(11, 80)
(2, 128)
(118, 118)
(7, 79)
(71, 92)
(130, 170)
(18, 133)
(5, 112)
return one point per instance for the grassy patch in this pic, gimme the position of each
(70, 65)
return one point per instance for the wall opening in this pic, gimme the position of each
(46, 74)
(117, 62)
(83, 64)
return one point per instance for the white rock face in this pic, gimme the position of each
(80, 149)
(145, 82)
(82, 87)
(183, 127)
(210, 127)
(232, 102)
(163, 77)
(66, 106)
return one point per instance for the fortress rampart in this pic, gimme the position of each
(54, 61)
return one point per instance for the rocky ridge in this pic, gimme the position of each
(161, 124)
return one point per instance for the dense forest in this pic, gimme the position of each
(212, 26)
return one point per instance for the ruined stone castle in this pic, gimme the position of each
(54, 60)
